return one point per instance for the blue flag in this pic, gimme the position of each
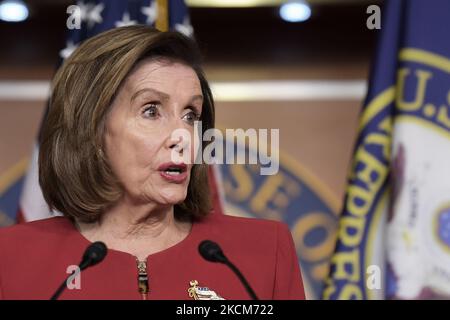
(394, 230)
(97, 16)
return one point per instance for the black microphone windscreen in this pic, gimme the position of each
(211, 251)
(94, 254)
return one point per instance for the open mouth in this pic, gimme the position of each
(173, 169)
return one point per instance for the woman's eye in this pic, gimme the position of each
(150, 111)
(191, 117)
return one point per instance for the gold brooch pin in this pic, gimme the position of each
(202, 293)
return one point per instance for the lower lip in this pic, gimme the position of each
(174, 178)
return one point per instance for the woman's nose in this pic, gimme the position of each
(175, 144)
(180, 150)
(178, 138)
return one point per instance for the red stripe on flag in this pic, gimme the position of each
(20, 218)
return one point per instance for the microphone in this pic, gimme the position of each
(93, 255)
(212, 252)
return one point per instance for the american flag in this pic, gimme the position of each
(94, 17)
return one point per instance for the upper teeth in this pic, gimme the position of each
(173, 172)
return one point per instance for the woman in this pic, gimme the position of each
(106, 163)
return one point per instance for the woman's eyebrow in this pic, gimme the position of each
(161, 95)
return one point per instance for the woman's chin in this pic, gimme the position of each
(172, 198)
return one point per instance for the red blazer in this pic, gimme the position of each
(34, 258)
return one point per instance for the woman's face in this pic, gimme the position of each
(157, 98)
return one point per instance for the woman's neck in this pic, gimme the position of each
(138, 230)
